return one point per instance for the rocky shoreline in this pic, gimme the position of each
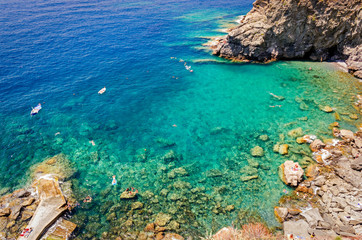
(287, 29)
(328, 203)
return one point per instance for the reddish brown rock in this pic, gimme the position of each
(312, 171)
(150, 227)
(159, 236)
(173, 236)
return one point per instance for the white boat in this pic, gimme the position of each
(102, 90)
(35, 110)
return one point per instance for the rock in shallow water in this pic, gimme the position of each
(257, 151)
(162, 219)
(327, 109)
(291, 173)
(283, 149)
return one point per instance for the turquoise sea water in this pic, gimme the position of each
(62, 53)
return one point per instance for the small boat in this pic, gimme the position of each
(35, 110)
(102, 90)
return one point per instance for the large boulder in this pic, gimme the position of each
(291, 173)
(346, 135)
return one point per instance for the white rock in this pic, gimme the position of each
(293, 173)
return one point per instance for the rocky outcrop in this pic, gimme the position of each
(31, 211)
(288, 29)
(291, 173)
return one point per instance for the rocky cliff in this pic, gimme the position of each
(298, 29)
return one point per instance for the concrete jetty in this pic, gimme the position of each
(52, 205)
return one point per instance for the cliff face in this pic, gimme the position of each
(292, 29)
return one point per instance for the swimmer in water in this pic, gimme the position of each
(114, 181)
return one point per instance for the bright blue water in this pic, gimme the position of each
(61, 53)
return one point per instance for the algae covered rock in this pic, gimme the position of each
(136, 205)
(170, 156)
(172, 236)
(253, 163)
(181, 185)
(248, 170)
(294, 133)
(162, 219)
(165, 143)
(283, 149)
(248, 178)
(257, 151)
(58, 166)
(128, 195)
(214, 173)
(264, 137)
(177, 172)
(327, 109)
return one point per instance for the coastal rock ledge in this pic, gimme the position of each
(305, 29)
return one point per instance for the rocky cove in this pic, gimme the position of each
(188, 199)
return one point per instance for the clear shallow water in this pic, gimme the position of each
(61, 54)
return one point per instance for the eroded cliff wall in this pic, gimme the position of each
(291, 29)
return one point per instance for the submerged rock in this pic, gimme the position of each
(303, 106)
(264, 137)
(327, 109)
(128, 195)
(248, 178)
(257, 151)
(294, 133)
(165, 142)
(162, 219)
(353, 116)
(218, 130)
(170, 156)
(136, 205)
(253, 163)
(283, 149)
(177, 172)
(214, 173)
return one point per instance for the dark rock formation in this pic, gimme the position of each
(307, 29)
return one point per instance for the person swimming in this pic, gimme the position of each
(114, 181)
